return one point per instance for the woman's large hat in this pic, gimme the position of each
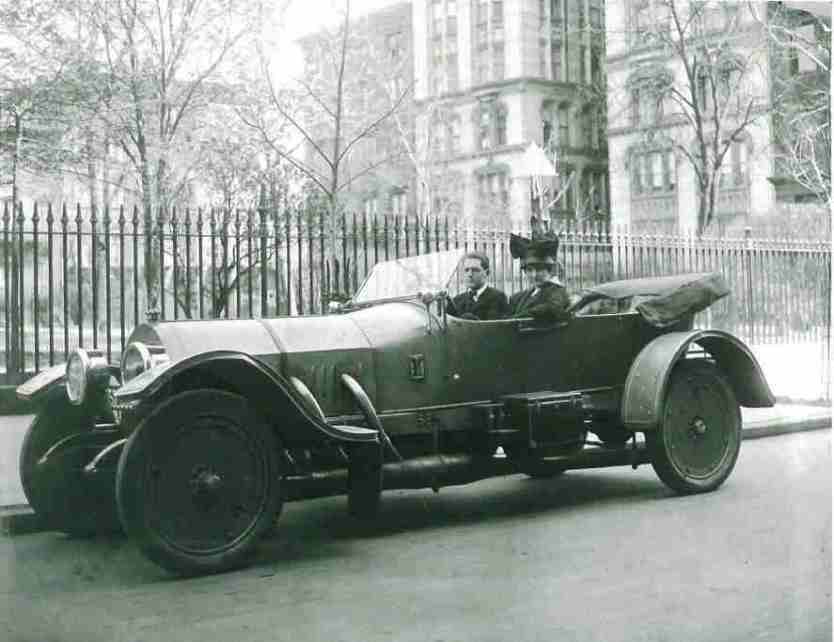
(540, 250)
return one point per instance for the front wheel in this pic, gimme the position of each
(696, 445)
(198, 482)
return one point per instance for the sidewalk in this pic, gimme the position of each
(16, 517)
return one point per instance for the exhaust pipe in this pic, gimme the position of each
(436, 471)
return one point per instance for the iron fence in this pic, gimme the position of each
(73, 277)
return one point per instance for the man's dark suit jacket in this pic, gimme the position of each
(492, 304)
(550, 303)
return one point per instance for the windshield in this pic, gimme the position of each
(402, 278)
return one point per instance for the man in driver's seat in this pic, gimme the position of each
(480, 301)
(547, 299)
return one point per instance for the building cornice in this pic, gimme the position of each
(657, 49)
(521, 84)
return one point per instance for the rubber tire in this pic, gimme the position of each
(134, 474)
(685, 376)
(60, 496)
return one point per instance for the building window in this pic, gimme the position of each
(437, 16)
(452, 83)
(482, 65)
(501, 125)
(488, 40)
(556, 13)
(454, 134)
(582, 54)
(491, 121)
(568, 200)
(595, 14)
(438, 132)
(493, 189)
(596, 68)
(733, 170)
(646, 107)
(497, 19)
(451, 17)
(640, 21)
(556, 60)
(393, 42)
(498, 61)
(587, 127)
(653, 172)
(563, 115)
(601, 127)
(485, 128)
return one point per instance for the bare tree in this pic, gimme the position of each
(332, 110)
(707, 91)
(161, 63)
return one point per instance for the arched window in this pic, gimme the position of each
(491, 123)
(648, 85)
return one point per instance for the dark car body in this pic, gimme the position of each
(392, 392)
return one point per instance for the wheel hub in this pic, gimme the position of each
(698, 427)
(206, 487)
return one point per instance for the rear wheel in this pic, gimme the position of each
(696, 445)
(198, 482)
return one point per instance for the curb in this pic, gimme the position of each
(775, 427)
(21, 520)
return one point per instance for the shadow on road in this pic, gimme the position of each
(322, 529)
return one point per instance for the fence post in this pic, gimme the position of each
(748, 260)
(262, 231)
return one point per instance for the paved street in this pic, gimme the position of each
(596, 555)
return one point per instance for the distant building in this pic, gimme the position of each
(493, 76)
(653, 185)
(490, 77)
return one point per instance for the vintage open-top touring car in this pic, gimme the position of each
(195, 440)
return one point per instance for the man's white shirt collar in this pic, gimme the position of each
(477, 293)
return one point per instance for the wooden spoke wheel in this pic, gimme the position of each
(57, 490)
(198, 482)
(697, 442)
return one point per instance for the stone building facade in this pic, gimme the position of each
(653, 183)
(492, 76)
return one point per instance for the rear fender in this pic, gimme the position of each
(272, 395)
(648, 378)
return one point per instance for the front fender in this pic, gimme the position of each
(648, 378)
(35, 388)
(272, 395)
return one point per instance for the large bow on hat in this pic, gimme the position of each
(540, 250)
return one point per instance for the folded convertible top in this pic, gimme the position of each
(664, 300)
